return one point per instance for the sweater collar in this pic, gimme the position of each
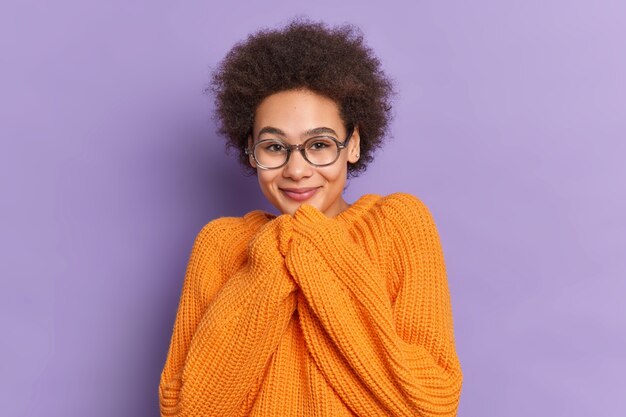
(349, 216)
(357, 209)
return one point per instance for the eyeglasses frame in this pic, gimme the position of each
(300, 148)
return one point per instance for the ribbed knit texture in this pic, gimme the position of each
(307, 315)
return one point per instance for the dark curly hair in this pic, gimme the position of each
(333, 62)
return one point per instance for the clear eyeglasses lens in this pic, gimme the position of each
(274, 153)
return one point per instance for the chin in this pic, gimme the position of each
(286, 207)
(289, 210)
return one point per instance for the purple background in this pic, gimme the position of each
(510, 125)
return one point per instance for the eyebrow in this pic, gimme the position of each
(320, 131)
(310, 132)
(271, 130)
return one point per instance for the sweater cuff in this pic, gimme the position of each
(311, 224)
(306, 213)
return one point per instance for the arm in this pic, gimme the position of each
(224, 335)
(383, 358)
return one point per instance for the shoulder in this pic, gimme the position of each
(214, 231)
(395, 212)
(226, 232)
(410, 219)
(405, 209)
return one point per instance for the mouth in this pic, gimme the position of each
(299, 194)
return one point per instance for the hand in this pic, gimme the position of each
(272, 239)
(308, 221)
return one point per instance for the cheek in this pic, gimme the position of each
(335, 173)
(267, 178)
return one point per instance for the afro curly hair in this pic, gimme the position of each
(333, 62)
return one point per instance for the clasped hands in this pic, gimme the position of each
(292, 236)
(307, 225)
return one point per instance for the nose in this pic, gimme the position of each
(297, 167)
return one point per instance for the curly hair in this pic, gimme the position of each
(333, 62)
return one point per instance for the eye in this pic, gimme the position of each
(274, 147)
(320, 144)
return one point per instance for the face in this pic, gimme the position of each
(292, 116)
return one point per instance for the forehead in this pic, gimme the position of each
(297, 111)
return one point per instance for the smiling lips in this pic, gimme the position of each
(300, 194)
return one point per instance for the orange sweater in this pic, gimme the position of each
(307, 315)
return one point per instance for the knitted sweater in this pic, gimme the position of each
(307, 315)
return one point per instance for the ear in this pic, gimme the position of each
(250, 157)
(354, 146)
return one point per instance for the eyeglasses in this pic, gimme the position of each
(319, 151)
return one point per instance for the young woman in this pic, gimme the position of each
(327, 309)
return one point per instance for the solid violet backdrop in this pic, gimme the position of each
(509, 124)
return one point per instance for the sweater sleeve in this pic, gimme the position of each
(382, 357)
(224, 334)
